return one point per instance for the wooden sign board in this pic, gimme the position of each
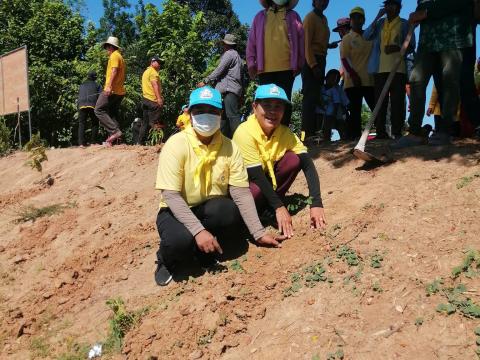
(14, 93)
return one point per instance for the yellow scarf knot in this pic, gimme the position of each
(388, 28)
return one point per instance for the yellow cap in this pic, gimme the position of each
(357, 10)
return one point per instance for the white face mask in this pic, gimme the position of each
(280, 2)
(206, 124)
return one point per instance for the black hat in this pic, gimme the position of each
(92, 75)
(155, 58)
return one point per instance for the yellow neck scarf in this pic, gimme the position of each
(268, 156)
(388, 28)
(207, 154)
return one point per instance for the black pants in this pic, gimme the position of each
(151, 115)
(83, 115)
(468, 91)
(311, 89)
(355, 96)
(285, 80)
(397, 94)
(178, 244)
(107, 109)
(231, 116)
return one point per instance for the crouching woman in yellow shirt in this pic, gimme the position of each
(274, 155)
(205, 191)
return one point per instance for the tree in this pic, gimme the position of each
(118, 21)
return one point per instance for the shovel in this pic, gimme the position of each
(359, 150)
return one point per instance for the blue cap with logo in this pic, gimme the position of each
(271, 91)
(206, 95)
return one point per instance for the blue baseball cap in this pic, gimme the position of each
(206, 95)
(271, 91)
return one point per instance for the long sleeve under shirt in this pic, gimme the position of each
(258, 176)
(228, 73)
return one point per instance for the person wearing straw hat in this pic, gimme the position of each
(152, 101)
(87, 98)
(343, 27)
(317, 36)
(274, 155)
(108, 103)
(199, 213)
(358, 83)
(227, 78)
(276, 46)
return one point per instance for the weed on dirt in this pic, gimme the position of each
(470, 265)
(32, 213)
(466, 180)
(348, 255)
(376, 260)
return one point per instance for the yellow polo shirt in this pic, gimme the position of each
(148, 76)
(356, 50)
(178, 162)
(276, 44)
(116, 61)
(252, 142)
(387, 61)
(317, 36)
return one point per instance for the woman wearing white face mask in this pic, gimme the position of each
(198, 169)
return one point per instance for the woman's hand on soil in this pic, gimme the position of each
(284, 221)
(207, 243)
(271, 241)
(317, 218)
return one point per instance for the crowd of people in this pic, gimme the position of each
(219, 170)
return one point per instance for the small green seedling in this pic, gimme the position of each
(434, 287)
(419, 321)
(235, 265)
(446, 308)
(377, 287)
(376, 260)
(348, 255)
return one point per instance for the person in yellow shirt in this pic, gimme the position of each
(317, 36)
(152, 101)
(358, 83)
(274, 155)
(183, 120)
(204, 188)
(108, 103)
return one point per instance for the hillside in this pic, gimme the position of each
(365, 288)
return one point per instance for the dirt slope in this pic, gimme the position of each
(418, 214)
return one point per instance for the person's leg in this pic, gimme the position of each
(286, 170)
(380, 121)
(82, 116)
(103, 112)
(437, 119)
(354, 123)
(422, 71)
(232, 113)
(311, 88)
(468, 91)
(260, 201)
(328, 122)
(94, 133)
(397, 98)
(451, 62)
(139, 140)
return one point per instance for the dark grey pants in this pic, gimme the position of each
(468, 91)
(311, 89)
(106, 110)
(151, 115)
(83, 115)
(231, 115)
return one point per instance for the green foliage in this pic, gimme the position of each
(376, 260)
(348, 255)
(5, 133)
(235, 265)
(296, 121)
(120, 324)
(470, 265)
(155, 136)
(36, 152)
(419, 321)
(466, 180)
(337, 355)
(314, 274)
(377, 287)
(75, 351)
(32, 213)
(434, 287)
(366, 115)
(39, 347)
(297, 202)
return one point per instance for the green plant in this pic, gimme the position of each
(297, 202)
(377, 287)
(39, 347)
(348, 255)
(466, 180)
(295, 286)
(434, 287)
(36, 152)
(314, 273)
(376, 260)
(470, 265)
(74, 351)
(337, 355)
(155, 136)
(120, 324)
(32, 213)
(457, 301)
(419, 321)
(5, 133)
(235, 265)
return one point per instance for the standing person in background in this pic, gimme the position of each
(276, 46)
(108, 103)
(227, 78)
(152, 101)
(358, 83)
(317, 36)
(388, 35)
(343, 28)
(87, 98)
(445, 29)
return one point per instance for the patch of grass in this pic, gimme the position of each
(466, 180)
(470, 265)
(155, 136)
(235, 265)
(434, 287)
(314, 273)
(457, 301)
(75, 351)
(294, 287)
(376, 260)
(206, 338)
(419, 321)
(337, 355)
(32, 213)
(348, 255)
(382, 237)
(120, 324)
(39, 347)
(377, 287)
(36, 149)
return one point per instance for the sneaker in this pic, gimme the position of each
(408, 141)
(439, 139)
(162, 275)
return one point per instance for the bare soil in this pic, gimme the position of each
(419, 213)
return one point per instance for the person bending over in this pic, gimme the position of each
(274, 155)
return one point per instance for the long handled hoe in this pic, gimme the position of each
(359, 150)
